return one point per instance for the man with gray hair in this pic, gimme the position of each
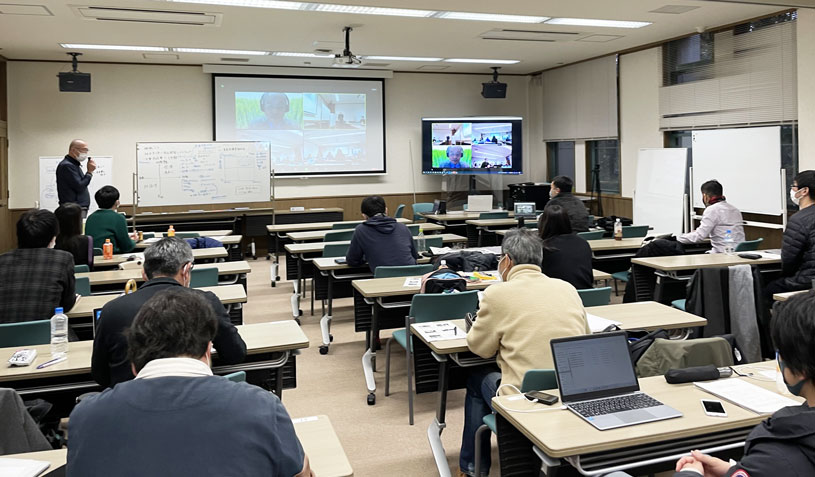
(516, 320)
(72, 183)
(167, 264)
(454, 155)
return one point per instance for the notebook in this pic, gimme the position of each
(11, 467)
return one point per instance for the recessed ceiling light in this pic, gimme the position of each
(250, 3)
(220, 52)
(361, 10)
(596, 23)
(302, 55)
(79, 46)
(476, 60)
(491, 17)
(401, 58)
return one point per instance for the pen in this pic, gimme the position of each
(52, 362)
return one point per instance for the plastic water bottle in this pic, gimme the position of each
(729, 247)
(420, 241)
(59, 334)
(618, 229)
(107, 249)
(171, 231)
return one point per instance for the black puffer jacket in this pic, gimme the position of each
(578, 215)
(798, 250)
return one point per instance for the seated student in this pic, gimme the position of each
(798, 246)
(176, 418)
(565, 255)
(560, 193)
(70, 236)
(718, 218)
(34, 278)
(167, 265)
(784, 444)
(380, 240)
(106, 223)
(516, 320)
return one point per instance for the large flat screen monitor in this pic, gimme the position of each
(472, 145)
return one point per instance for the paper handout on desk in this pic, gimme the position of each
(152, 239)
(12, 467)
(597, 324)
(747, 395)
(439, 331)
(412, 282)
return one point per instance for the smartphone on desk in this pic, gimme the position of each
(340, 261)
(713, 408)
(542, 397)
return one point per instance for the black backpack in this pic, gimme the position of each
(443, 280)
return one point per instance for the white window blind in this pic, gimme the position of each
(749, 80)
(580, 101)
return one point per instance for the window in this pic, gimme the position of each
(603, 162)
(560, 159)
(687, 59)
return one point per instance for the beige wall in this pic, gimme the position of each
(132, 103)
(806, 94)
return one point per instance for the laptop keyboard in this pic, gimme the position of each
(614, 404)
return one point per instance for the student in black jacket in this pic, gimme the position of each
(565, 255)
(560, 193)
(167, 264)
(380, 240)
(784, 444)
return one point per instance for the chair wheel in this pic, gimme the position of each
(273, 284)
(299, 312)
(371, 399)
(297, 320)
(330, 337)
(323, 349)
(268, 258)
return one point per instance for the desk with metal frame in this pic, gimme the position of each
(201, 255)
(237, 269)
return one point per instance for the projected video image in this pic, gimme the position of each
(329, 150)
(333, 111)
(269, 110)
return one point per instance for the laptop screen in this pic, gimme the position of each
(593, 366)
(525, 210)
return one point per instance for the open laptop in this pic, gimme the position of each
(525, 210)
(479, 203)
(597, 382)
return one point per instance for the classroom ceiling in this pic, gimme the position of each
(33, 30)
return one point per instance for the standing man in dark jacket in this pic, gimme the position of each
(72, 183)
(380, 240)
(784, 444)
(560, 193)
(798, 247)
(167, 264)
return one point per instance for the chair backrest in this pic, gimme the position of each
(186, 235)
(432, 241)
(81, 269)
(493, 215)
(400, 209)
(27, 333)
(335, 250)
(344, 226)
(402, 270)
(148, 235)
(414, 228)
(338, 236)
(83, 286)
(539, 380)
(632, 231)
(531, 225)
(443, 306)
(595, 296)
(420, 208)
(204, 277)
(594, 235)
(236, 377)
(97, 252)
(749, 245)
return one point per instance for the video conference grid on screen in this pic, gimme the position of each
(471, 147)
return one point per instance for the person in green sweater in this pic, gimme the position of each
(106, 223)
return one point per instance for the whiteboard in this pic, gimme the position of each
(102, 176)
(180, 173)
(746, 161)
(660, 190)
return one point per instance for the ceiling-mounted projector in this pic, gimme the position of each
(74, 81)
(346, 59)
(494, 89)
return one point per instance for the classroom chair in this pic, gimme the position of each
(534, 380)
(749, 245)
(187, 235)
(432, 241)
(236, 377)
(343, 226)
(493, 215)
(621, 276)
(399, 211)
(420, 208)
(338, 236)
(97, 252)
(531, 225)
(83, 286)
(427, 307)
(335, 249)
(148, 235)
(27, 333)
(679, 304)
(595, 296)
(402, 270)
(593, 235)
(81, 269)
(203, 277)
(634, 231)
(414, 229)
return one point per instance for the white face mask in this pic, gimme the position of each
(503, 273)
(82, 157)
(552, 194)
(795, 200)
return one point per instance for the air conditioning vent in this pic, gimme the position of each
(674, 9)
(148, 16)
(530, 35)
(238, 60)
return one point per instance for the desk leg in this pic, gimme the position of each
(295, 298)
(278, 386)
(325, 321)
(436, 427)
(276, 262)
(369, 358)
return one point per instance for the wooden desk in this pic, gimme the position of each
(311, 235)
(461, 216)
(284, 229)
(394, 286)
(197, 253)
(703, 260)
(786, 296)
(227, 239)
(320, 443)
(315, 247)
(562, 434)
(113, 277)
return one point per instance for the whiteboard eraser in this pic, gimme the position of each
(297, 209)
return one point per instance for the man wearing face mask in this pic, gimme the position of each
(516, 320)
(798, 247)
(560, 193)
(167, 264)
(784, 444)
(718, 218)
(72, 183)
(35, 278)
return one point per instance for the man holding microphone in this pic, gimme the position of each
(72, 183)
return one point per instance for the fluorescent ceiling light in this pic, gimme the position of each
(302, 55)
(346, 65)
(78, 46)
(250, 3)
(401, 58)
(358, 9)
(221, 52)
(476, 60)
(491, 17)
(596, 23)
